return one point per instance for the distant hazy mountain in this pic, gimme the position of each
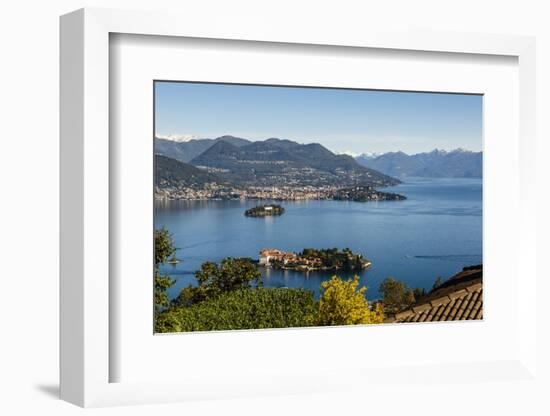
(276, 162)
(458, 163)
(186, 150)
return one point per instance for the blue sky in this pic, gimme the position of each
(354, 121)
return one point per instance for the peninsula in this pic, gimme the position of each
(365, 194)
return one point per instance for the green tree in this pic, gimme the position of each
(396, 295)
(164, 248)
(162, 284)
(230, 274)
(342, 303)
(214, 279)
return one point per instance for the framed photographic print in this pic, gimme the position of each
(375, 188)
(236, 208)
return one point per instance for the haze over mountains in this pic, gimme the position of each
(457, 163)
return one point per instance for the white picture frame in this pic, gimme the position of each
(86, 353)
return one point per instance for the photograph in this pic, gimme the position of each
(282, 206)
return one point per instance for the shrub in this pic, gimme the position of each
(342, 304)
(252, 308)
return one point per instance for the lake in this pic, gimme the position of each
(435, 232)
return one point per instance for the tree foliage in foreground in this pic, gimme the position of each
(396, 295)
(215, 279)
(164, 248)
(162, 284)
(253, 308)
(342, 303)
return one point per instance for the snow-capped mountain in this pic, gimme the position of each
(369, 155)
(356, 155)
(438, 163)
(179, 138)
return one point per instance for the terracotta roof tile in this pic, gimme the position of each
(421, 308)
(440, 301)
(459, 294)
(459, 298)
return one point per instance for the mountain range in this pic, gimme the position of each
(171, 172)
(457, 163)
(275, 162)
(272, 162)
(184, 151)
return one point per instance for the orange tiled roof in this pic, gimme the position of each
(459, 298)
(271, 252)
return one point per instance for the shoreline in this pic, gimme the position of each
(386, 196)
(367, 264)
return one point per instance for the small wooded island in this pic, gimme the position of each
(264, 210)
(365, 194)
(313, 259)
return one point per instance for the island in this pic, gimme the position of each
(311, 259)
(365, 194)
(265, 210)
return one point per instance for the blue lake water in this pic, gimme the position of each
(435, 232)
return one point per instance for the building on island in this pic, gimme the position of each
(269, 255)
(288, 260)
